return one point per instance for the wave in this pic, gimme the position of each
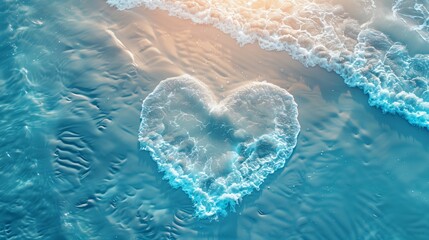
(318, 33)
(218, 152)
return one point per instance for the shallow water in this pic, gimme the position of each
(74, 76)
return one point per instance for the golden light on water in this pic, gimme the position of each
(264, 4)
(256, 4)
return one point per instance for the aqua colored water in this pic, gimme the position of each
(74, 75)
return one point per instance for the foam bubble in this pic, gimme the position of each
(324, 34)
(218, 152)
(415, 13)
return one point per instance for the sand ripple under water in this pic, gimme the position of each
(323, 33)
(74, 75)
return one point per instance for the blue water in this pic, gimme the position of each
(354, 43)
(71, 166)
(218, 151)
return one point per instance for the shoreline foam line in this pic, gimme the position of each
(320, 34)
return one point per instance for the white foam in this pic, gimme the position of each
(415, 13)
(218, 152)
(323, 34)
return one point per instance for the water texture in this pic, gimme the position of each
(74, 75)
(415, 14)
(218, 152)
(323, 33)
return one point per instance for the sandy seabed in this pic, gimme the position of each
(355, 173)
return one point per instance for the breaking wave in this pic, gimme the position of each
(318, 33)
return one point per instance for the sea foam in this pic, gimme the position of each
(218, 152)
(319, 33)
(415, 13)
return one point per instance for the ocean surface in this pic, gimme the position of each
(313, 116)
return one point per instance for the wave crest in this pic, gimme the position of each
(322, 34)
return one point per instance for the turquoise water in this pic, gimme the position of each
(71, 166)
(218, 151)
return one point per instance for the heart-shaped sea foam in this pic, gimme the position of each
(218, 151)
